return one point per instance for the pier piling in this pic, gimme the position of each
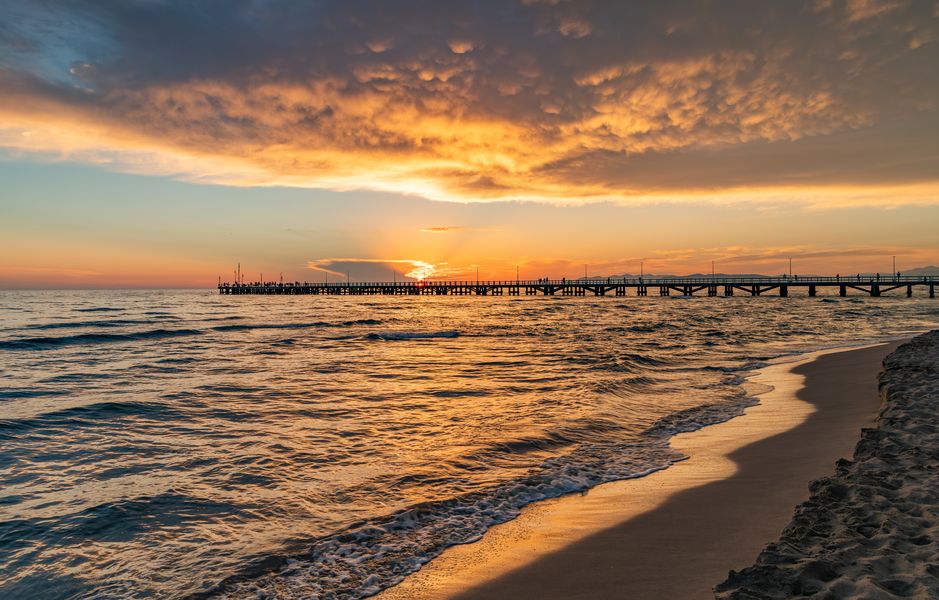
(686, 286)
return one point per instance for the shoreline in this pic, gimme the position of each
(677, 532)
(869, 528)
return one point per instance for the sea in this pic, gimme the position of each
(183, 444)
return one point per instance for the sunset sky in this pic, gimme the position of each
(158, 143)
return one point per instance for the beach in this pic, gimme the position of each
(678, 532)
(868, 530)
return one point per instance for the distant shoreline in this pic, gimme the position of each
(676, 533)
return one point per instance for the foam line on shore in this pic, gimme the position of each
(606, 542)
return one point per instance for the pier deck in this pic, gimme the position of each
(641, 286)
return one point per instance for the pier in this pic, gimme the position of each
(872, 286)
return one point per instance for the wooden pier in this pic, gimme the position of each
(641, 286)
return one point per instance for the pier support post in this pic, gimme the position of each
(642, 290)
(754, 290)
(875, 290)
(663, 290)
(909, 291)
(843, 291)
(811, 291)
(686, 291)
(932, 291)
(784, 291)
(712, 290)
(728, 290)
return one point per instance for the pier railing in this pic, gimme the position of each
(715, 285)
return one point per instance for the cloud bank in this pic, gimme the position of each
(488, 100)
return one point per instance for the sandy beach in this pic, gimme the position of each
(678, 532)
(869, 529)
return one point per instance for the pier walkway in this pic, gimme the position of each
(640, 286)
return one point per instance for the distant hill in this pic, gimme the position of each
(932, 271)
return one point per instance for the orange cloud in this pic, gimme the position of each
(556, 103)
(341, 267)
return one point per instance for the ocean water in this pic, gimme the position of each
(178, 444)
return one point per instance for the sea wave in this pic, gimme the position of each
(373, 555)
(44, 343)
(84, 415)
(79, 324)
(308, 325)
(368, 557)
(25, 393)
(48, 343)
(389, 336)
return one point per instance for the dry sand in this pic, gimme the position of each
(676, 533)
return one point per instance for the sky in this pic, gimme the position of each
(159, 143)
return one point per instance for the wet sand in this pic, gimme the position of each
(676, 533)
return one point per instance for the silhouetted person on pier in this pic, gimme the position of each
(898, 275)
(838, 277)
(878, 277)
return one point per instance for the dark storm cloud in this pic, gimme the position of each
(486, 99)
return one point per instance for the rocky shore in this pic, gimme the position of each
(871, 530)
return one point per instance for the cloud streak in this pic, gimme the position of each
(374, 269)
(443, 229)
(565, 101)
